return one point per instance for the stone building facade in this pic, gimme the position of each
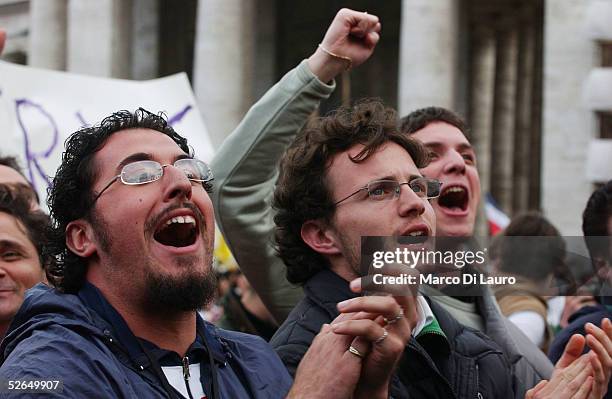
(522, 72)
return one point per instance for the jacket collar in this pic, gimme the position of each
(326, 289)
(118, 329)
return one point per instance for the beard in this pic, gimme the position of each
(190, 290)
(352, 254)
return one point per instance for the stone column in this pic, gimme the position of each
(481, 100)
(524, 104)
(48, 32)
(567, 125)
(265, 47)
(99, 37)
(480, 117)
(223, 70)
(145, 43)
(502, 135)
(428, 54)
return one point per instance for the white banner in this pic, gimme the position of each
(39, 109)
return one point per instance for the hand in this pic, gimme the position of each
(367, 324)
(572, 382)
(351, 34)
(2, 40)
(600, 341)
(327, 370)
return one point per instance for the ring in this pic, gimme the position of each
(382, 338)
(397, 317)
(355, 352)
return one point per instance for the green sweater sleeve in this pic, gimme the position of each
(246, 170)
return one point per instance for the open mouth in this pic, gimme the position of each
(178, 231)
(454, 198)
(417, 236)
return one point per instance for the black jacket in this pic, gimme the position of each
(466, 364)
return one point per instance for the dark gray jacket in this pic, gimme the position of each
(465, 364)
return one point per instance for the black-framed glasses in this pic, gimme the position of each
(143, 172)
(382, 190)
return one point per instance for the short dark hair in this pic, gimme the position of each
(595, 218)
(15, 201)
(302, 192)
(528, 256)
(70, 197)
(12, 162)
(419, 119)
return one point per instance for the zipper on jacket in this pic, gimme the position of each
(478, 394)
(186, 375)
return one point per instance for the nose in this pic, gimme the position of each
(410, 204)
(454, 163)
(176, 184)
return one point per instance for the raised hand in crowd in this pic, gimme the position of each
(348, 42)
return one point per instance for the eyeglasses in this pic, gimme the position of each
(143, 172)
(382, 190)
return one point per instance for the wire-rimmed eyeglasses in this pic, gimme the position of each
(143, 172)
(381, 190)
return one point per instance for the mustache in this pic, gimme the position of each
(151, 224)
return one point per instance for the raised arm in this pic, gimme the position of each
(246, 165)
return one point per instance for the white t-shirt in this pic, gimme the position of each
(530, 323)
(174, 375)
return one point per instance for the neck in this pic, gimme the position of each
(174, 332)
(171, 331)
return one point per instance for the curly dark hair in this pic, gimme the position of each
(70, 196)
(15, 201)
(302, 193)
(595, 219)
(417, 120)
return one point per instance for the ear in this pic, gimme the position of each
(319, 236)
(79, 238)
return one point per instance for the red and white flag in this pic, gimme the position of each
(496, 218)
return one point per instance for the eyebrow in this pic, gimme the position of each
(143, 156)
(5, 243)
(438, 144)
(139, 156)
(393, 178)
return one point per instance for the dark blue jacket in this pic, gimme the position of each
(587, 314)
(56, 336)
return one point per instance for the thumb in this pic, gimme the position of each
(573, 350)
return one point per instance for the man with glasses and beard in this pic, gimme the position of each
(131, 248)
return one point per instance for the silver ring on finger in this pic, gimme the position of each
(355, 352)
(397, 318)
(382, 337)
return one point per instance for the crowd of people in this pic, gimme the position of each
(119, 273)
